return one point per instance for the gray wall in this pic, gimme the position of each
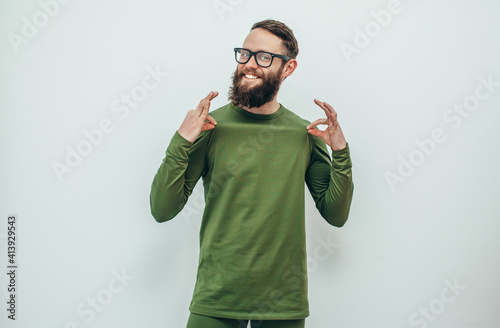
(92, 91)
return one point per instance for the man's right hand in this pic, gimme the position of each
(195, 119)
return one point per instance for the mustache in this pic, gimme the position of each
(249, 72)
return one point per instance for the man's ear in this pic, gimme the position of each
(290, 67)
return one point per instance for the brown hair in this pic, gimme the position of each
(283, 32)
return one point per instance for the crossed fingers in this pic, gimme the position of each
(204, 105)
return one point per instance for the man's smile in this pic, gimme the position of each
(251, 77)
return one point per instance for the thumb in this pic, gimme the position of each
(211, 120)
(207, 126)
(315, 132)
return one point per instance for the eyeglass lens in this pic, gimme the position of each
(262, 58)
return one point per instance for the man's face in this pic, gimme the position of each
(254, 86)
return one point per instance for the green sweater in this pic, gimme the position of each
(253, 262)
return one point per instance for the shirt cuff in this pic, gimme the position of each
(179, 147)
(341, 159)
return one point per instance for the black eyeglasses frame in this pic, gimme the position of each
(252, 53)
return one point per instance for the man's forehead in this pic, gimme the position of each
(263, 40)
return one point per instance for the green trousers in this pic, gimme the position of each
(201, 321)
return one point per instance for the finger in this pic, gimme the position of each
(317, 122)
(322, 105)
(330, 108)
(319, 103)
(211, 120)
(333, 113)
(212, 95)
(325, 105)
(333, 119)
(316, 132)
(207, 126)
(205, 102)
(330, 112)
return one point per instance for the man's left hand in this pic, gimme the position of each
(333, 135)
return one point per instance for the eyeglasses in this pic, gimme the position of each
(262, 58)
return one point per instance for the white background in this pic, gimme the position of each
(405, 242)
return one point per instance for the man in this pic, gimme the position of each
(254, 156)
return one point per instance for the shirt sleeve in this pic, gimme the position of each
(178, 174)
(330, 182)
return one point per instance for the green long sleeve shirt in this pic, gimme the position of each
(253, 261)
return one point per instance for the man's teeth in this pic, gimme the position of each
(251, 77)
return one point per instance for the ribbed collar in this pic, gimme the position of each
(259, 116)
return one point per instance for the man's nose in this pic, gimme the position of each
(252, 62)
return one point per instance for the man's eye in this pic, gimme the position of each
(265, 57)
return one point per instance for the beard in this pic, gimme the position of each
(256, 96)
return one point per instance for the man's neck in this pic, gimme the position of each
(266, 109)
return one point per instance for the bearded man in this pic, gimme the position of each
(254, 156)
